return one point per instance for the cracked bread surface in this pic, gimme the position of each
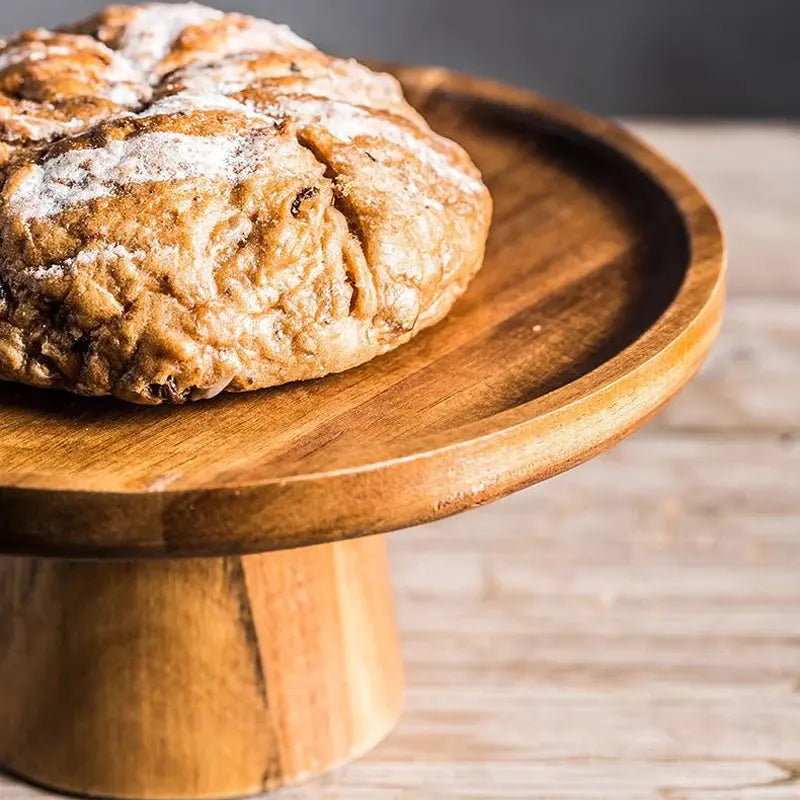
(195, 202)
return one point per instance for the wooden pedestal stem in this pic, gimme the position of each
(195, 678)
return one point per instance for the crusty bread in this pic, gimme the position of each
(195, 202)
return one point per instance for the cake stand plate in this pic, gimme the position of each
(186, 606)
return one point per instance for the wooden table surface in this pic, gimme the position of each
(630, 629)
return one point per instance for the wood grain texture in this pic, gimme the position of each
(601, 295)
(630, 629)
(196, 678)
(754, 192)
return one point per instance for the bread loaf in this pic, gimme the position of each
(195, 202)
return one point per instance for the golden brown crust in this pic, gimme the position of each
(245, 218)
(57, 84)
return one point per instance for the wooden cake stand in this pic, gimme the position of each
(161, 634)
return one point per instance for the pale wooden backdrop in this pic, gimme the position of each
(629, 630)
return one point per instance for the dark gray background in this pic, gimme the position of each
(665, 57)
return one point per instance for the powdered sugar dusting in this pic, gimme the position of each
(79, 176)
(157, 26)
(123, 94)
(85, 258)
(121, 69)
(60, 50)
(35, 128)
(17, 55)
(347, 122)
(187, 102)
(19, 51)
(228, 77)
(345, 81)
(50, 271)
(128, 85)
(259, 36)
(105, 253)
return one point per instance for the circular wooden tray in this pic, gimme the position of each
(601, 294)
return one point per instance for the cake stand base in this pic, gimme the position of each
(203, 678)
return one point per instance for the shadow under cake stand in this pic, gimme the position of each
(187, 606)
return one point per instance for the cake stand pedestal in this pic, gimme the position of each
(187, 609)
(208, 677)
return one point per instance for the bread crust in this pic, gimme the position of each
(195, 202)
